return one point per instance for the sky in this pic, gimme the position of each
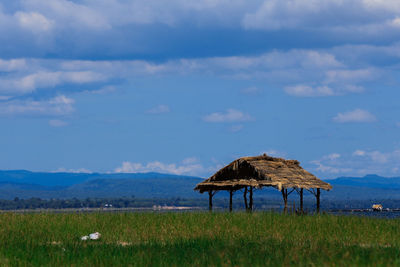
(187, 86)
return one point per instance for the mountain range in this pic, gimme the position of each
(46, 185)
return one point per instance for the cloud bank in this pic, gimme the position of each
(189, 166)
(359, 163)
(357, 115)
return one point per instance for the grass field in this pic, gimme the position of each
(201, 238)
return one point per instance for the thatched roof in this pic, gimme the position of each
(262, 171)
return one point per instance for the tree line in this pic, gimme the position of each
(222, 203)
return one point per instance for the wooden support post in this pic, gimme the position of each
(318, 199)
(285, 197)
(230, 200)
(251, 199)
(245, 198)
(301, 200)
(210, 195)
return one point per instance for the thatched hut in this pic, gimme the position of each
(248, 173)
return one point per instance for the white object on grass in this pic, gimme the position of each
(95, 236)
(92, 236)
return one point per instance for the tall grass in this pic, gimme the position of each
(217, 239)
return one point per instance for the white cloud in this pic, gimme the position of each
(57, 106)
(351, 76)
(328, 164)
(388, 5)
(41, 79)
(275, 153)
(378, 156)
(332, 156)
(271, 13)
(80, 170)
(302, 90)
(12, 65)
(231, 115)
(357, 115)
(267, 15)
(57, 123)
(395, 22)
(272, 63)
(359, 163)
(300, 72)
(34, 21)
(136, 12)
(308, 91)
(365, 16)
(45, 79)
(101, 23)
(359, 153)
(330, 169)
(189, 166)
(68, 14)
(295, 58)
(160, 109)
(375, 156)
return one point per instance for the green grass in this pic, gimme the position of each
(187, 239)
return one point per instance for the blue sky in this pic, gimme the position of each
(186, 87)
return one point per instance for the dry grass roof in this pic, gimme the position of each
(262, 171)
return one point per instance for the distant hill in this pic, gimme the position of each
(370, 181)
(148, 187)
(68, 179)
(45, 178)
(371, 186)
(26, 184)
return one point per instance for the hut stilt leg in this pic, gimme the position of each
(318, 199)
(251, 199)
(285, 197)
(210, 195)
(230, 200)
(301, 200)
(245, 198)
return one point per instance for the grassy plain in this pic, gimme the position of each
(197, 238)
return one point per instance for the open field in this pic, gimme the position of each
(197, 238)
